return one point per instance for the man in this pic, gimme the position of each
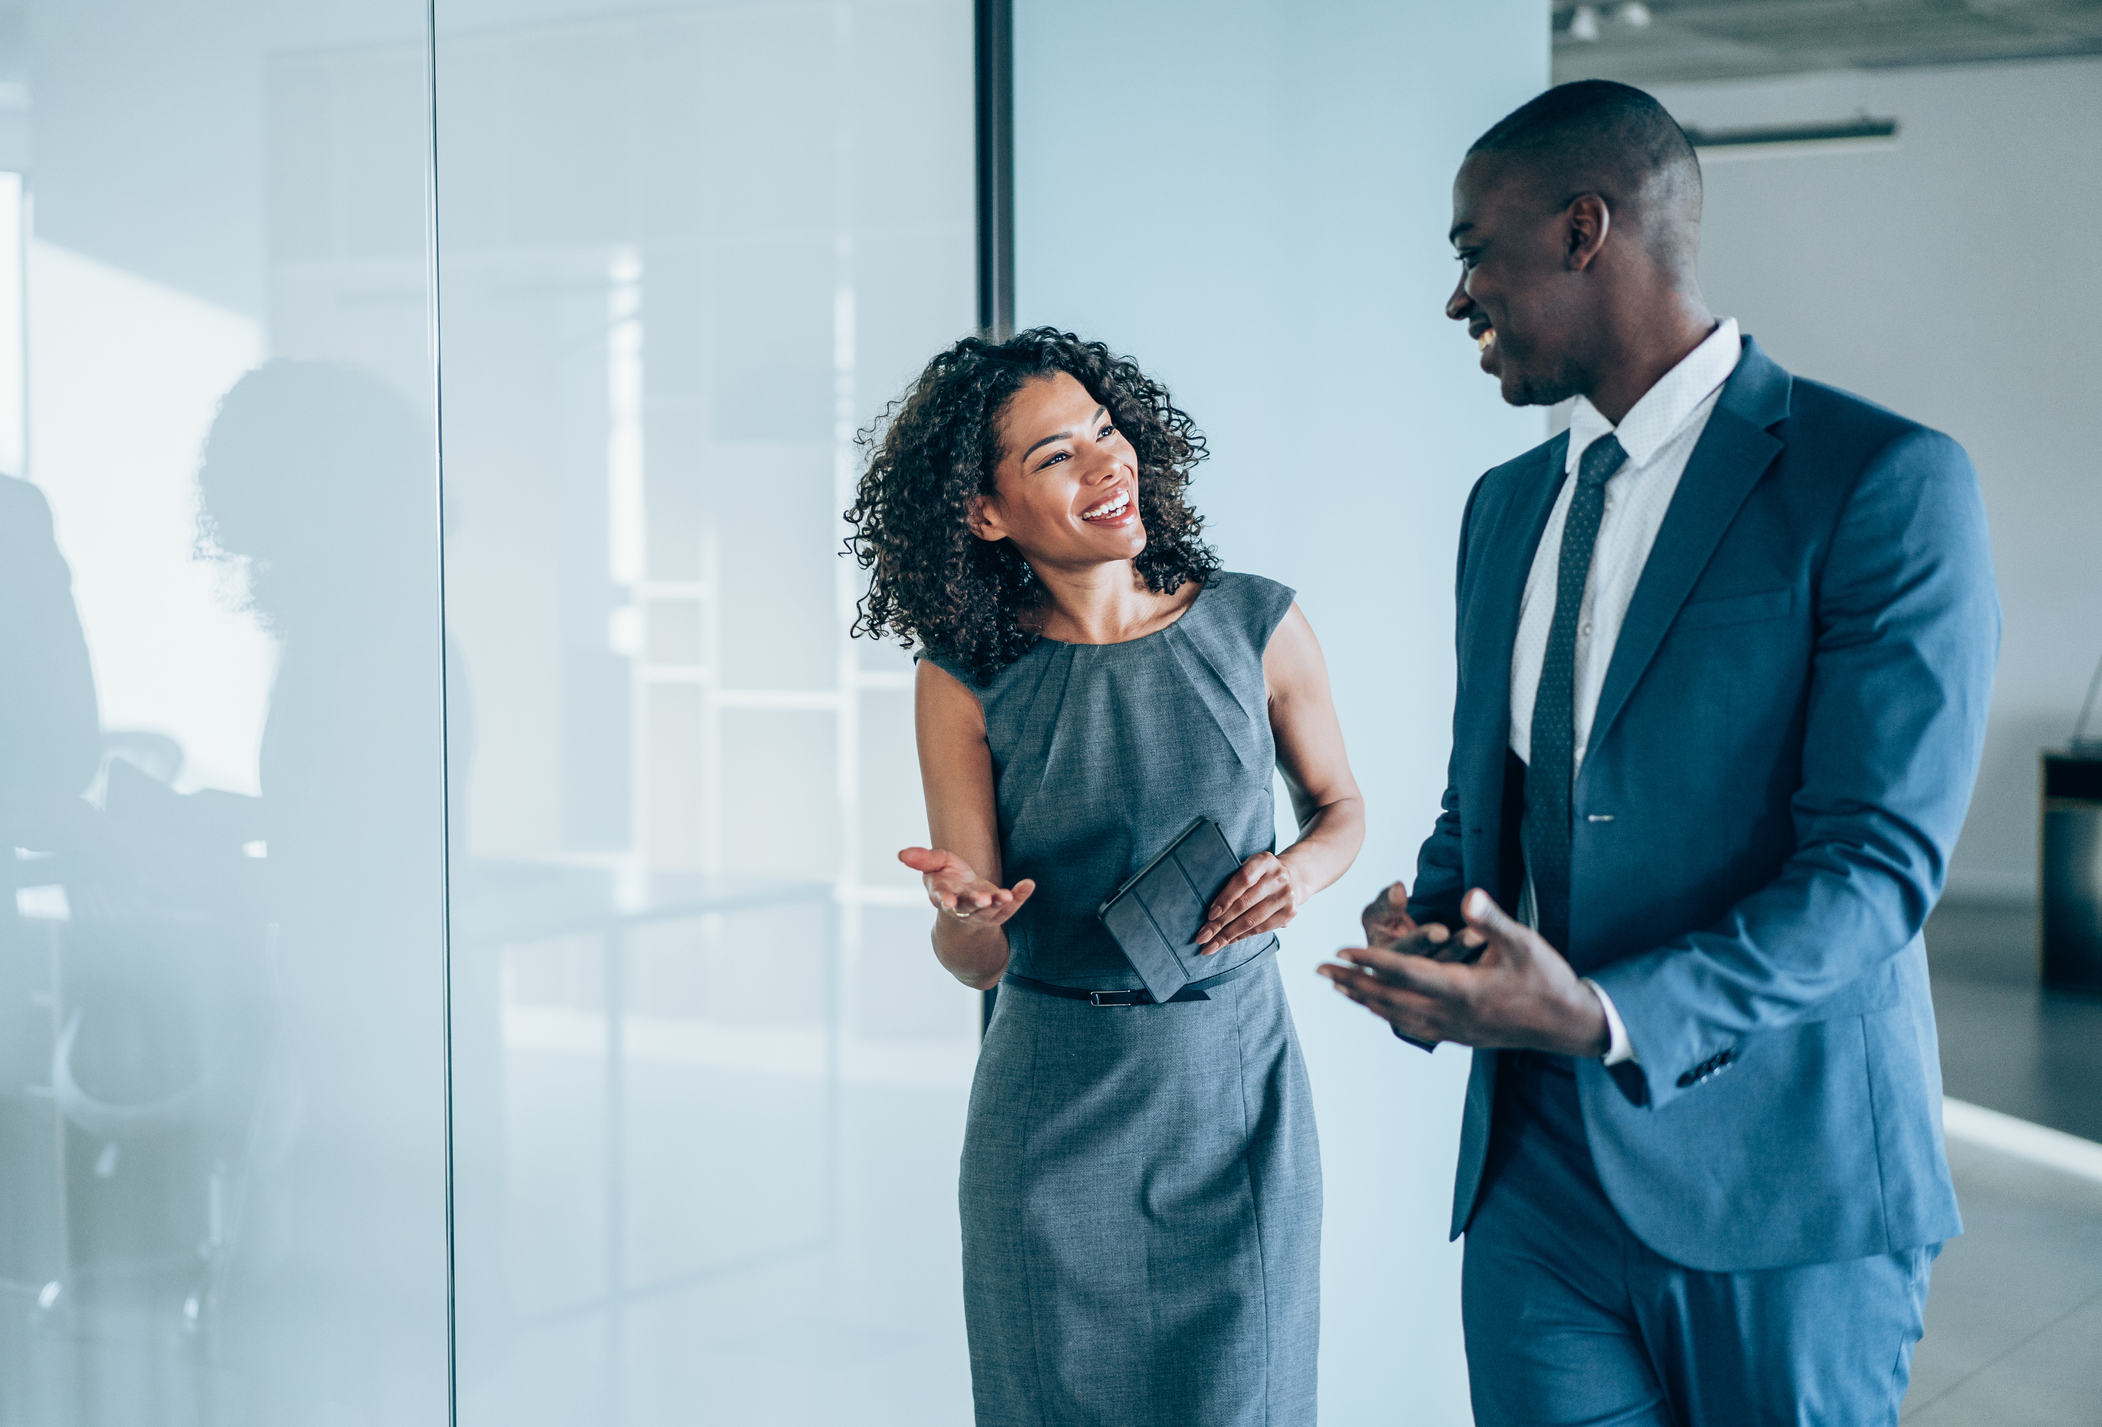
(1724, 655)
(50, 731)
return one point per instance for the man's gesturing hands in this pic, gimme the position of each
(1518, 992)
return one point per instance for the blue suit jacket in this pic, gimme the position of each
(1778, 768)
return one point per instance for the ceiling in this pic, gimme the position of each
(1725, 39)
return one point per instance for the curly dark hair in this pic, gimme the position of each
(933, 582)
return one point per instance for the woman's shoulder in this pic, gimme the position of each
(1249, 603)
(960, 669)
(957, 669)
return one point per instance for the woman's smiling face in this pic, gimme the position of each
(1067, 487)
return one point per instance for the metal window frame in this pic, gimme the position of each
(993, 24)
(994, 35)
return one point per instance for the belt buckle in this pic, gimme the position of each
(1095, 998)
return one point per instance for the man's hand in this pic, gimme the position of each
(1389, 927)
(1520, 993)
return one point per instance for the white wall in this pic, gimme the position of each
(1952, 276)
(1252, 198)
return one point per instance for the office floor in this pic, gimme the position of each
(2006, 1043)
(2014, 1322)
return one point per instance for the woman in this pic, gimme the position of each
(1141, 1186)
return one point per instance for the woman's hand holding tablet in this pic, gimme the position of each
(1261, 897)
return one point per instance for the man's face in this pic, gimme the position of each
(1516, 292)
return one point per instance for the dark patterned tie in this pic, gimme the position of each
(1552, 767)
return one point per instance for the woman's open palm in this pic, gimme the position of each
(958, 891)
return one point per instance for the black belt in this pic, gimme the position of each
(1141, 997)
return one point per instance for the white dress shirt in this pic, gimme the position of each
(1659, 434)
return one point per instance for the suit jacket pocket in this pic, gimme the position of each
(1878, 990)
(1734, 609)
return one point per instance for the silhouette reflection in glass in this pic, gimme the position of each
(317, 484)
(50, 742)
(131, 986)
(50, 736)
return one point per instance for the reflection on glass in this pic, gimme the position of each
(221, 1036)
(708, 1081)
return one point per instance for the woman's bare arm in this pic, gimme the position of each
(1269, 890)
(961, 872)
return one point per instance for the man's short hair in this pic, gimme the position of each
(1599, 136)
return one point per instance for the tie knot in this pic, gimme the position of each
(1600, 460)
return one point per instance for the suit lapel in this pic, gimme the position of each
(1501, 560)
(1733, 453)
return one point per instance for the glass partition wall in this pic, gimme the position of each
(708, 1082)
(456, 967)
(222, 1031)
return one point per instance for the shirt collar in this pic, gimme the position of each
(1666, 407)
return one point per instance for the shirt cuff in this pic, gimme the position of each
(1618, 1048)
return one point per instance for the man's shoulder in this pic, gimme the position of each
(1841, 451)
(1830, 424)
(1522, 474)
(1819, 408)
(1531, 464)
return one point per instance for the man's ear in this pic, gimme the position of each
(1588, 220)
(983, 521)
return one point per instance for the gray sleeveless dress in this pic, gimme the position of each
(1141, 1186)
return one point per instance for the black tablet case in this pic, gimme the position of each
(1156, 915)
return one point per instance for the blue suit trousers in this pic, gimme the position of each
(1570, 1319)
